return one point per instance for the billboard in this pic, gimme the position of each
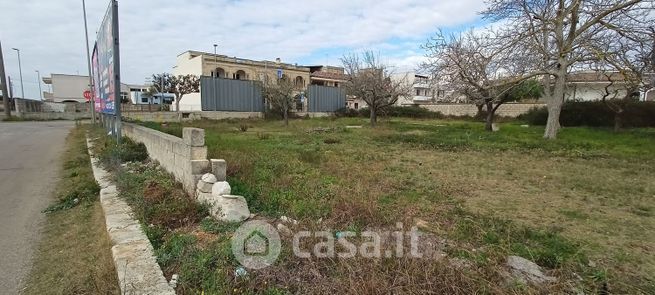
(106, 64)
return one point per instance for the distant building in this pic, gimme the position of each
(66, 88)
(590, 86)
(71, 88)
(222, 66)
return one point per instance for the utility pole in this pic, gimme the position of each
(38, 75)
(20, 72)
(3, 81)
(88, 62)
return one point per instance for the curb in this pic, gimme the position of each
(134, 258)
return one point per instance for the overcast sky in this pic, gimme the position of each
(50, 34)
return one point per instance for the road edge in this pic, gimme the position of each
(133, 255)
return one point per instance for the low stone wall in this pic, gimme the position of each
(133, 255)
(161, 117)
(55, 116)
(185, 158)
(506, 110)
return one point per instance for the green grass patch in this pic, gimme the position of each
(74, 253)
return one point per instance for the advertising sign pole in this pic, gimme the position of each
(117, 71)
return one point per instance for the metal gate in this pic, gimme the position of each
(325, 99)
(218, 94)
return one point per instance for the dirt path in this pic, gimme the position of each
(29, 163)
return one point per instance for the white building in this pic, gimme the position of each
(66, 88)
(592, 86)
(71, 88)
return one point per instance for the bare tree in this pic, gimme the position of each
(279, 95)
(371, 81)
(178, 85)
(558, 32)
(625, 61)
(486, 68)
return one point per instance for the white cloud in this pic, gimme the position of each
(51, 37)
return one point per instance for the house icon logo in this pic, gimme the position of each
(256, 244)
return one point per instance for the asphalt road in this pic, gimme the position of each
(29, 165)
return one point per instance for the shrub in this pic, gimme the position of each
(393, 111)
(596, 114)
(263, 136)
(411, 112)
(535, 116)
(126, 151)
(243, 127)
(346, 112)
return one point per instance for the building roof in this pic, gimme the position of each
(238, 60)
(328, 75)
(582, 77)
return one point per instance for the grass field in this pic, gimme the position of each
(582, 206)
(74, 255)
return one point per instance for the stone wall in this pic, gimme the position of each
(55, 116)
(507, 110)
(185, 158)
(188, 116)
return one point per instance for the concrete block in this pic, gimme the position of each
(219, 169)
(199, 166)
(193, 136)
(198, 152)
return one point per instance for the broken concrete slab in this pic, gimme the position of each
(527, 271)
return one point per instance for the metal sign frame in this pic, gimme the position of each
(109, 73)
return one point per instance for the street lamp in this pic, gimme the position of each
(88, 63)
(38, 74)
(20, 72)
(215, 61)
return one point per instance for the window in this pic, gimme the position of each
(144, 99)
(418, 92)
(441, 93)
(356, 106)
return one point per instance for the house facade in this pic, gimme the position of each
(66, 88)
(592, 86)
(222, 66)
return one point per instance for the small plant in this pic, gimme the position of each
(243, 127)
(331, 140)
(312, 156)
(263, 136)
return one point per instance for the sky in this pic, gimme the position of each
(50, 34)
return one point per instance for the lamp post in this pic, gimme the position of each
(20, 72)
(88, 62)
(215, 61)
(38, 74)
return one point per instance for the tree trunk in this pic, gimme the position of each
(177, 105)
(286, 117)
(555, 103)
(490, 117)
(479, 114)
(374, 117)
